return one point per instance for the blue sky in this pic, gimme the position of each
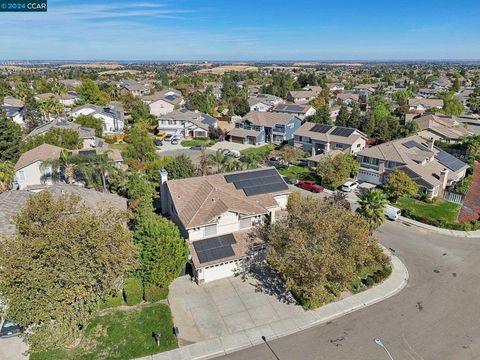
(244, 30)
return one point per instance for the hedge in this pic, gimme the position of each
(155, 293)
(111, 301)
(133, 291)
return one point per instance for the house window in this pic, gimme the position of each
(21, 175)
(338, 146)
(172, 122)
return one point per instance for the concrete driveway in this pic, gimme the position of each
(12, 349)
(226, 306)
(230, 146)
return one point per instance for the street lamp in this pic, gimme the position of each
(380, 343)
(268, 345)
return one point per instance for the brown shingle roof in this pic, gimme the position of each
(200, 200)
(268, 119)
(43, 152)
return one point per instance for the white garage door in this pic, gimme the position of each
(369, 177)
(217, 272)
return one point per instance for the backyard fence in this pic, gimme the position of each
(453, 197)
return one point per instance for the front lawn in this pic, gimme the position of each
(260, 152)
(119, 146)
(439, 211)
(121, 334)
(299, 172)
(195, 142)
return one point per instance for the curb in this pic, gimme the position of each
(456, 233)
(247, 338)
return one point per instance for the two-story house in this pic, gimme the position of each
(300, 111)
(442, 127)
(430, 167)
(216, 214)
(113, 120)
(136, 88)
(258, 127)
(303, 96)
(164, 102)
(322, 139)
(263, 102)
(186, 123)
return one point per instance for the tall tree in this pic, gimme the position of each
(89, 93)
(342, 117)
(32, 114)
(7, 174)
(53, 275)
(180, 167)
(319, 248)
(140, 144)
(355, 118)
(64, 138)
(10, 138)
(336, 170)
(91, 122)
(322, 116)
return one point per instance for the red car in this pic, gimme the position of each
(310, 186)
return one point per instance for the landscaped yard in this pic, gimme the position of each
(119, 146)
(260, 152)
(121, 334)
(440, 210)
(299, 172)
(194, 142)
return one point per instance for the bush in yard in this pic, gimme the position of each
(111, 301)
(155, 293)
(133, 291)
(400, 184)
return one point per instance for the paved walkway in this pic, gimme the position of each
(278, 328)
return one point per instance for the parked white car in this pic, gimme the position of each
(349, 186)
(392, 212)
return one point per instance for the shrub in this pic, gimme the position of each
(155, 293)
(111, 301)
(370, 281)
(133, 291)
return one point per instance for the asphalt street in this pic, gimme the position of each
(435, 317)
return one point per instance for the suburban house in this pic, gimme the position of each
(14, 201)
(322, 139)
(440, 127)
(14, 109)
(258, 127)
(164, 102)
(335, 87)
(365, 88)
(300, 111)
(186, 123)
(68, 99)
(303, 96)
(29, 173)
(347, 98)
(87, 135)
(430, 167)
(134, 87)
(113, 120)
(263, 102)
(216, 213)
(427, 92)
(421, 105)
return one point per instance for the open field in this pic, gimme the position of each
(220, 70)
(93, 66)
(119, 72)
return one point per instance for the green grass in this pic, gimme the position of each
(440, 210)
(194, 142)
(260, 152)
(121, 335)
(299, 172)
(119, 146)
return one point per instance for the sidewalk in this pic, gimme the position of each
(251, 337)
(456, 233)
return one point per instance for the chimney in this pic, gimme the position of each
(163, 191)
(430, 144)
(381, 167)
(443, 182)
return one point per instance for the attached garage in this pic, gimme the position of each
(371, 177)
(237, 139)
(252, 140)
(218, 271)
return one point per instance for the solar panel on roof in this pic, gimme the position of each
(321, 128)
(342, 131)
(449, 161)
(257, 182)
(215, 248)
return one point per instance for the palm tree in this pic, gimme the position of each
(219, 159)
(62, 168)
(372, 204)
